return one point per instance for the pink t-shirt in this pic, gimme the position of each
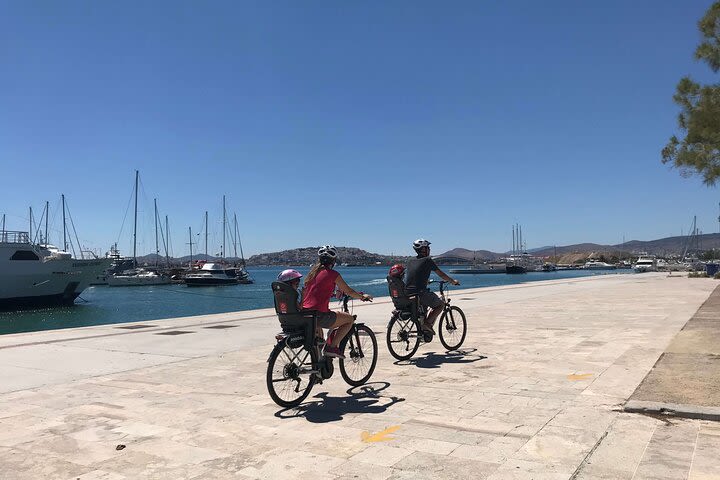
(316, 295)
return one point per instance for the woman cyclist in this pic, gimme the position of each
(320, 284)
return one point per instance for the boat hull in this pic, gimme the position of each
(516, 269)
(481, 269)
(64, 299)
(46, 283)
(209, 282)
(137, 281)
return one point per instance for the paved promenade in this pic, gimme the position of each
(537, 392)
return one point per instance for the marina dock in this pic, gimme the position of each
(538, 390)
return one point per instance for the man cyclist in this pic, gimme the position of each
(417, 275)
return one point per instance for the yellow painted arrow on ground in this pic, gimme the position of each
(380, 436)
(579, 376)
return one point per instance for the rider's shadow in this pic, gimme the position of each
(362, 399)
(436, 360)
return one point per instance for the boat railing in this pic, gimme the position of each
(7, 236)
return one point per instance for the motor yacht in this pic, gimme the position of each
(645, 263)
(213, 274)
(37, 275)
(137, 277)
(597, 265)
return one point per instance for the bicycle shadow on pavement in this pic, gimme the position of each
(363, 399)
(436, 360)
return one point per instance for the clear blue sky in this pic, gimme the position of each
(353, 123)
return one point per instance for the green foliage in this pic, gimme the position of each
(697, 275)
(699, 152)
(717, 276)
(712, 254)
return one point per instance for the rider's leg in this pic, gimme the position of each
(436, 305)
(343, 324)
(433, 315)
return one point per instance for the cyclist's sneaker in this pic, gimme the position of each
(428, 328)
(335, 352)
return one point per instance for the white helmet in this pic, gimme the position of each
(420, 243)
(327, 252)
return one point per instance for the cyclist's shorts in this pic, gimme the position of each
(326, 319)
(430, 299)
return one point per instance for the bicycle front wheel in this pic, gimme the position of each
(289, 374)
(403, 337)
(361, 352)
(453, 328)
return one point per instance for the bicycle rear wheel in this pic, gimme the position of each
(289, 374)
(403, 337)
(452, 328)
(361, 352)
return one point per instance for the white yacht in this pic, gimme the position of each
(137, 277)
(213, 274)
(597, 265)
(645, 263)
(33, 275)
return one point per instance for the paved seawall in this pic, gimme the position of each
(537, 391)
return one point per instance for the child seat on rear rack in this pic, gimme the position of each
(403, 303)
(292, 319)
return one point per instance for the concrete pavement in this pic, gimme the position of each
(685, 381)
(536, 392)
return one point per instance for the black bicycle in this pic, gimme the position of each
(405, 333)
(297, 361)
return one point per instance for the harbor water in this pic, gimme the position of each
(99, 305)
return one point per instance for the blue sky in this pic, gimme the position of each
(366, 124)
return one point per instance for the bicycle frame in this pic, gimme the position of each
(354, 330)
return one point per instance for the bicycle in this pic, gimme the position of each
(297, 362)
(405, 333)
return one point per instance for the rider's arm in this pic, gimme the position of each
(446, 277)
(349, 291)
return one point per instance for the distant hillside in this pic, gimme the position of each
(357, 256)
(470, 254)
(662, 246)
(308, 255)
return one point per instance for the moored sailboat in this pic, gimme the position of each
(138, 276)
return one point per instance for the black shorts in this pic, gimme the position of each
(326, 319)
(430, 299)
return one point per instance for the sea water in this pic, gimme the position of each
(100, 305)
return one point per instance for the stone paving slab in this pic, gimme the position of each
(536, 392)
(685, 381)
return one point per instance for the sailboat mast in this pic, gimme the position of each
(157, 248)
(137, 176)
(3, 229)
(191, 242)
(47, 214)
(222, 250)
(64, 233)
(235, 235)
(30, 231)
(167, 248)
(206, 235)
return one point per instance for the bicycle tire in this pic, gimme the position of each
(403, 335)
(286, 374)
(353, 362)
(451, 325)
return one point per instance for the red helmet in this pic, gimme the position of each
(397, 270)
